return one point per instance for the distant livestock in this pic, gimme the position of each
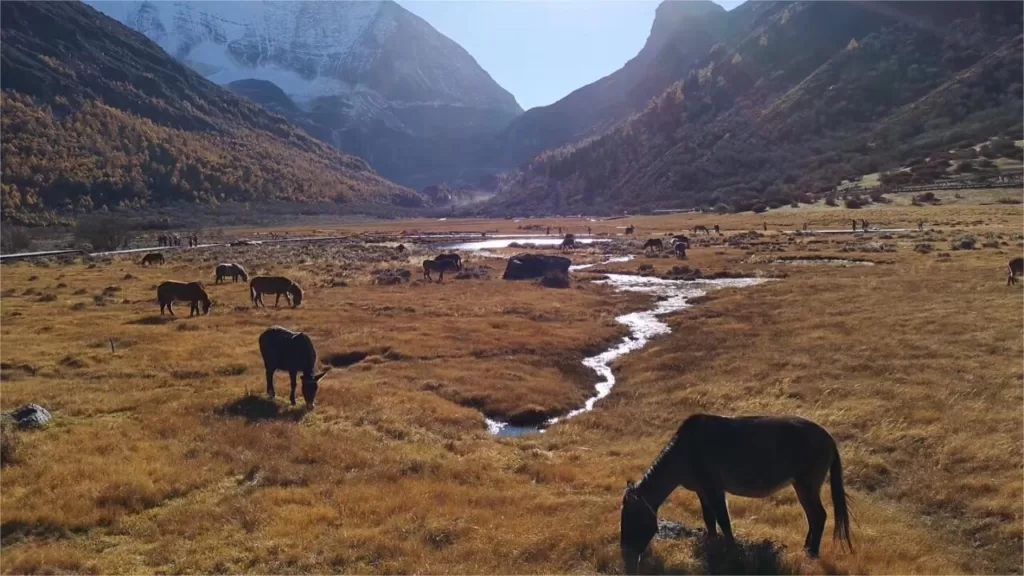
(400, 248)
(630, 229)
(680, 239)
(680, 249)
(751, 456)
(718, 230)
(292, 352)
(453, 257)
(569, 242)
(1016, 267)
(530, 266)
(654, 244)
(152, 258)
(276, 285)
(191, 292)
(700, 228)
(439, 266)
(235, 271)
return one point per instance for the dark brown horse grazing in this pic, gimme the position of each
(439, 266)
(152, 258)
(292, 352)
(191, 292)
(654, 244)
(276, 285)
(1016, 267)
(453, 257)
(751, 456)
(569, 242)
(680, 249)
(699, 228)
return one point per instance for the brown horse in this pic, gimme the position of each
(751, 456)
(276, 285)
(654, 244)
(292, 352)
(192, 292)
(152, 258)
(439, 266)
(569, 242)
(1016, 267)
(699, 228)
(234, 270)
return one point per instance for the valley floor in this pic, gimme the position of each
(164, 455)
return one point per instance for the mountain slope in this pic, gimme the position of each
(807, 95)
(369, 77)
(95, 115)
(681, 33)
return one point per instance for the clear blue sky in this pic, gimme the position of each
(541, 50)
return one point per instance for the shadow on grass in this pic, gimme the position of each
(152, 320)
(715, 556)
(256, 408)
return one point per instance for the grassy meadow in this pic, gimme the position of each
(164, 454)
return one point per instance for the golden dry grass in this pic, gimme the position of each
(164, 456)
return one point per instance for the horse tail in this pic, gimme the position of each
(839, 504)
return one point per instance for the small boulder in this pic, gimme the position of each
(31, 416)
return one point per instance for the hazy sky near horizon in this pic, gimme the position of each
(541, 50)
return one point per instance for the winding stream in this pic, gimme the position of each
(674, 295)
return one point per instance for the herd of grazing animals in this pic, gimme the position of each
(712, 456)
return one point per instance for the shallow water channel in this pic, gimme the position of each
(674, 295)
(495, 243)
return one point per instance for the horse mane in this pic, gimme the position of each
(664, 453)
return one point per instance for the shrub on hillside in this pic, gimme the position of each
(965, 243)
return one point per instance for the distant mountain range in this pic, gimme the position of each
(96, 115)
(370, 78)
(765, 105)
(771, 103)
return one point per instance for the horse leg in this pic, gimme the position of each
(169, 309)
(270, 382)
(292, 376)
(277, 300)
(717, 500)
(709, 516)
(810, 499)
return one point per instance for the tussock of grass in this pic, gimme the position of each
(171, 445)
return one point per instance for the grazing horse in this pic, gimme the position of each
(152, 258)
(699, 228)
(192, 292)
(680, 239)
(630, 229)
(276, 285)
(654, 243)
(400, 248)
(680, 249)
(751, 456)
(292, 352)
(439, 266)
(569, 242)
(1016, 269)
(233, 270)
(453, 257)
